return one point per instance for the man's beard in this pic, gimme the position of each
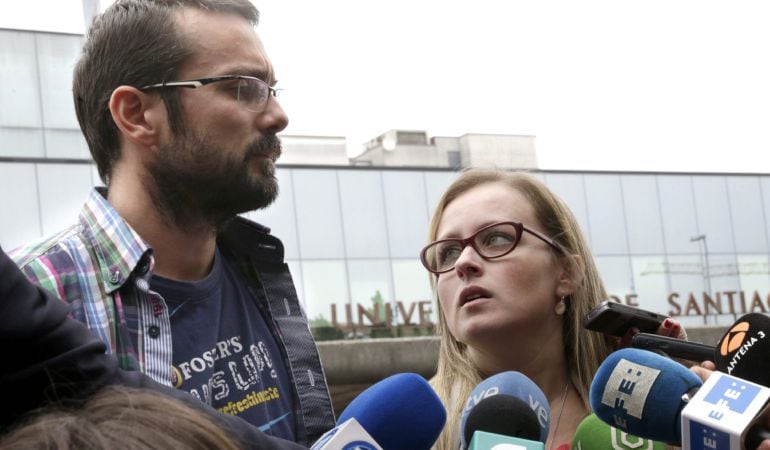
(194, 182)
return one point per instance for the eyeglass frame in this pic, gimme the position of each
(518, 226)
(200, 82)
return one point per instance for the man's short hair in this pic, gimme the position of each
(134, 43)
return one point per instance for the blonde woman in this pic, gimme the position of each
(513, 276)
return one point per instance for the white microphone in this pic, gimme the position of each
(721, 414)
(349, 435)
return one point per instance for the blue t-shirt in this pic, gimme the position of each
(223, 351)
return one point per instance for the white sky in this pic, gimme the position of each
(663, 85)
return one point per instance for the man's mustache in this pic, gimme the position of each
(266, 146)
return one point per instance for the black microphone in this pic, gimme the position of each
(744, 350)
(504, 415)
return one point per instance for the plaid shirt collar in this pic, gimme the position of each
(118, 248)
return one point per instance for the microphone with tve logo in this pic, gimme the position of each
(506, 408)
(593, 434)
(502, 421)
(399, 412)
(512, 384)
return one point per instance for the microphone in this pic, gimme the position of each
(593, 434)
(399, 412)
(348, 434)
(744, 350)
(640, 392)
(721, 414)
(512, 384)
(502, 419)
(510, 403)
(647, 395)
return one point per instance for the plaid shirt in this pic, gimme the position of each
(102, 268)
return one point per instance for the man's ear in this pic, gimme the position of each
(138, 115)
(571, 275)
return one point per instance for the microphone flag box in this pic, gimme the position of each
(482, 440)
(348, 435)
(721, 412)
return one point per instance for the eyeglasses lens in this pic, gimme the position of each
(252, 93)
(490, 242)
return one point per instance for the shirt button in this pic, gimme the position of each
(153, 331)
(144, 266)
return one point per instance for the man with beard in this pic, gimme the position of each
(176, 101)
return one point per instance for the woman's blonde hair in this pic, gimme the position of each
(119, 417)
(456, 375)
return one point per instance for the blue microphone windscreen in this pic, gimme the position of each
(515, 385)
(399, 412)
(640, 392)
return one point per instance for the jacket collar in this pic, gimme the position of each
(120, 250)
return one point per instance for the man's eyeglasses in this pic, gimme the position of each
(251, 92)
(490, 242)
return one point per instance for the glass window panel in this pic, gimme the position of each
(764, 184)
(754, 275)
(747, 214)
(370, 291)
(367, 277)
(713, 212)
(412, 281)
(605, 207)
(687, 279)
(722, 278)
(57, 54)
(21, 142)
(650, 283)
(20, 221)
(325, 288)
(19, 85)
(363, 213)
(569, 188)
(63, 190)
(406, 212)
(319, 224)
(678, 213)
(642, 211)
(66, 144)
(412, 286)
(707, 295)
(279, 216)
(435, 184)
(616, 275)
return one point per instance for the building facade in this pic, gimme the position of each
(690, 245)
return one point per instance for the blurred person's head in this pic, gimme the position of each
(498, 300)
(201, 148)
(119, 417)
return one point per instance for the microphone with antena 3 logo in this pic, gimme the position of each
(744, 350)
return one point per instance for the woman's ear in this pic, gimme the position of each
(571, 276)
(137, 115)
